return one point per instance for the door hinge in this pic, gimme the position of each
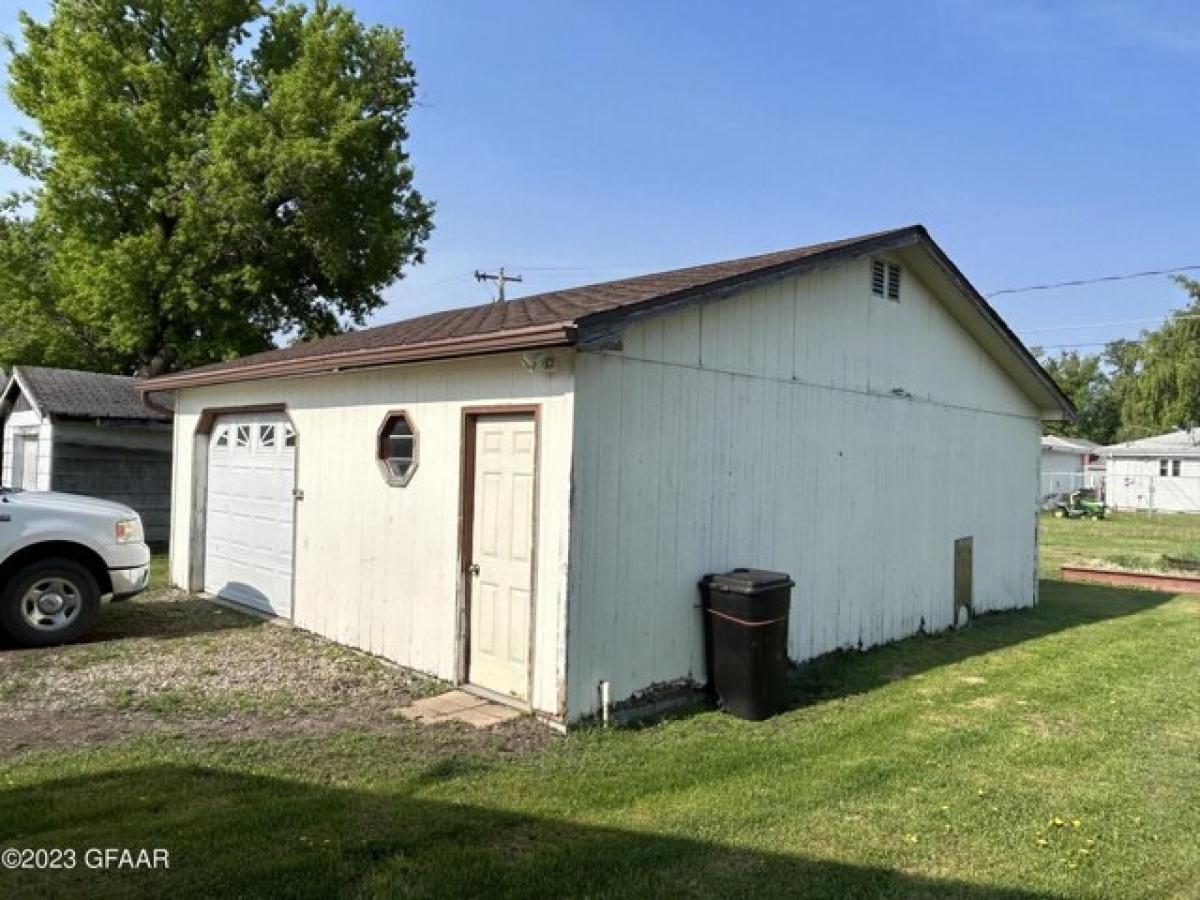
(297, 493)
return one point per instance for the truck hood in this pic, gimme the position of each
(77, 503)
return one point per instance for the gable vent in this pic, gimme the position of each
(878, 277)
(893, 281)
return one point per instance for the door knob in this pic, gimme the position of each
(473, 569)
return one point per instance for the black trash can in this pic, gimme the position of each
(745, 634)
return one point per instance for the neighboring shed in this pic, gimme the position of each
(1069, 464)
(522, 496)
(87, 433)
(1160, 473)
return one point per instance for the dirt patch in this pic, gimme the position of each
(1048, 727)
(170, 663)
(987, 702)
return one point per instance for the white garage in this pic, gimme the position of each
(521, 497)
(250, 510)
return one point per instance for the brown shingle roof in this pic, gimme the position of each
(539, 320)
(582, 315)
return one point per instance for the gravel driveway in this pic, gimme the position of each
(168, 662)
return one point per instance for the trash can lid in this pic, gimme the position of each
(749, 581)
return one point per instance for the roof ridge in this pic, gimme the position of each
(78, 393)
(582, 315)
(613, 282)
(559, 309)
(82, 372)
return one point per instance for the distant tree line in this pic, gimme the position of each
(1134, 388)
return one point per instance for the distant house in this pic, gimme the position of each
(85, 433)
(1160, 473)
(1069, 464)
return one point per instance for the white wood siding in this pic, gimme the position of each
(762, 430)
(376, 566)
(28, 421)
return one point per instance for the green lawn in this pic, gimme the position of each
(160, 573)
(1131, 540)
(1044, 753)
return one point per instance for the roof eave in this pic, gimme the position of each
(30, 397)
(542, 336)
(133, 421)
(1064, 410)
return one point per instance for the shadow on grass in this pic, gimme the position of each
(231, 834)
(157, 617)
(1061, 607)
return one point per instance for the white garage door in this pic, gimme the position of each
(248, 525)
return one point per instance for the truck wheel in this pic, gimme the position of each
(52, 601)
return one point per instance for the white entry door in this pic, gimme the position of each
(248, 525)
(502, 547)
(25, 459)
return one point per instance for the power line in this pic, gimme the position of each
(1088, 344)
(1080, 282)
(598, 269)
(443, 281)
(1091, 344)
(1162, 319)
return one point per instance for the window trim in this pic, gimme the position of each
(381, 448)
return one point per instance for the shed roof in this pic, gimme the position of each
(1068, 445)
(577, 315)
(71, 394)
(1184, 442)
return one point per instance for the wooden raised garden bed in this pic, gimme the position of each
(1150, 581)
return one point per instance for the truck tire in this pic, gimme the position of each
(51, 601)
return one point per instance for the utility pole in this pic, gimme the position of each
(499, 278)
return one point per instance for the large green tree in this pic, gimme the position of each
(202, 177)
(1165, 395)
(1084, 379)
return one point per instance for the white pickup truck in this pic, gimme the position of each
(59, 554)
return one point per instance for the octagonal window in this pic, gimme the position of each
(397, 450)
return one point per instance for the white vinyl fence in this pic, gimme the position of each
(1130, 492)
(1065, 482)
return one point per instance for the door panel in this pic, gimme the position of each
(249, 524)
(25, 455)
(502, 542)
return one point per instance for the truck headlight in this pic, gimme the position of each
(129, 531)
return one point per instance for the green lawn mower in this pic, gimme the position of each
(1080, 504)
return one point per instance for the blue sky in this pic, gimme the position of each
(576, 142)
